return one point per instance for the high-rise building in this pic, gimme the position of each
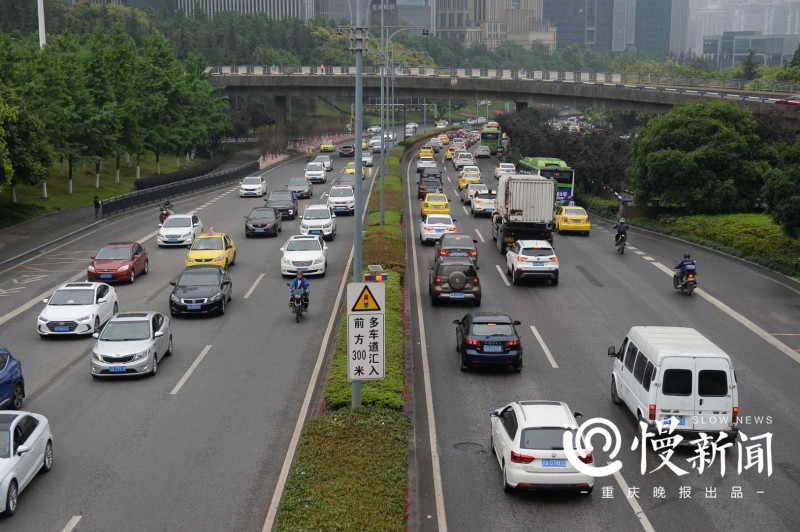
(708, 21)
(731, 47)
(569, 19)
(302, 9)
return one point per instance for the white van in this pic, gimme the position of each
(664, 372)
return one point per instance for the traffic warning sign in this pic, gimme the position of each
(366, 301)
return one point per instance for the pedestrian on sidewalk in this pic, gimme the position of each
(97, 208)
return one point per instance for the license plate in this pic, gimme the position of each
(193, 307)
(172, 240)
(117, 369)
(538, 263)
(315, 232)
(106, 276)
(61, 328)
(302, 269)
(681, 421)
(457, 295)
(437, 206)
(250, 193)
(458, 254)
(337, 209)
(259, 230)
(438, 230)
(547, 462)
(493, 348)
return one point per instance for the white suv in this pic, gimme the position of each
(532, 258)
(319, 220)
(527, 440)
(342, 199)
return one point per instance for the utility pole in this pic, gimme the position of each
(40, 9)
(358, 42)
(382, 59)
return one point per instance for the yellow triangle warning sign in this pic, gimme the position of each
(366, 302)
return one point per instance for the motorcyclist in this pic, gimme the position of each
(622, 229)
(301, 282)
(681, 266)
(166, 206)
(570, 202)
(309, 153)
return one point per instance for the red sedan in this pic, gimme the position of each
(119, 261)
(347, 150)
(790, 100)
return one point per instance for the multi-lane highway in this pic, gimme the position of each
(751, 313)
(200, 445)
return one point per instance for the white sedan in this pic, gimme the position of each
(435, 225)
(366, 159)
(252, 186)
(26, 447)
(179, 230)
(504, 168)
(77, 308)
(316, 173)
(305, 253)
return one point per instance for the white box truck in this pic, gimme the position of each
(525, 209)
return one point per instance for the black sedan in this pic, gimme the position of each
(488, 338)
(200, 290)
(285, 203)
(263, 221)
(348, 150)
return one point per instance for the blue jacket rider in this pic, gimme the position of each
(687, 259)
(622, 229)
(301, 282)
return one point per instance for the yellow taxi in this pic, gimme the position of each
(212, 248)
(572, 219)
(327, 146)
(364, 144)
(467, 178)
(445, 139)
(426, 151)
(350, 168)
(435, 203)
(450, 151)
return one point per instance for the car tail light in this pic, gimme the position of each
(589, 459)
(476, 281)
(553, 259)
(520, 258)
(652, 415)
(473, 342)
(451, 228)
(428, 228)
(437, 280)
(564, 219)
(521, 458)
(512, 343)
(473, 252)
(735, 414)
(444, 251)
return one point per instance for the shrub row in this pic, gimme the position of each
(599, 206)
(181, 175)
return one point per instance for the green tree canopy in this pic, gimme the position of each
(782, 189)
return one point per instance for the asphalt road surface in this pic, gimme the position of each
(750, 313)
(141, 453)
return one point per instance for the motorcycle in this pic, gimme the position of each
(623, 240)
(688, 282)
(296, 303)
(163, 214)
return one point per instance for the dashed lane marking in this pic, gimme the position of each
(547, 352)
(637, 510)
(72, 523)
(253, 287)
(502, 274)
(480, 236)
(648, 258)
(191, 369)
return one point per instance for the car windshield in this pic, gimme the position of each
(72, 297)
(262, 214)
(114, 254)
(298, 182)
(251, 181)
(576, 212)
(536, 252)
(316, 214)
(547, 439)
(508, 166)
(322, 159)
(430, 182)
(305, 244)
(439, 220)
(314, 167)
(436, 197)
(122, 331)
(351, 166)
(172, 221)
(446, 269)
(492, 329)
(278, 196)
(341, 192)
(199, 278)
(207, 243)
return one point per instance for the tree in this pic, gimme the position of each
(795, 62)
(782, 188)
(705, 156)
(26, 146)
(7, 114)
(749, 67)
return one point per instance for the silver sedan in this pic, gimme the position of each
(130, 344)
(435, 225)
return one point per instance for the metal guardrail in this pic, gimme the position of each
(160, 193)
(690, 82)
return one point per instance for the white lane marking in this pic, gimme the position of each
(255, 283)
(448, 178)
(783, 348)
(432, 436)
(72, 523)
(631, 247)
(639, 252)
(637, 510)
(480, 236)
(280, 486)
(466, 211)
(648, 258)
(502, 274)
(191, 369)
(544, 347)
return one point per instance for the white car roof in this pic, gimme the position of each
(506, 165)
(658, 342)
(427, 159)
(477, 185)
(439, 216)
(304, 237)
(79, 286)
(343, 186)
(544, 244)
(319, 206)
(536, 414)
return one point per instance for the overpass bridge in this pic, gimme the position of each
(578, 89)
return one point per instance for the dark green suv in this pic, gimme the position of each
(454, 279)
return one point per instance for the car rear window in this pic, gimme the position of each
(486, 195)
(488, 329)
(430, 183)
(712, 383)
(279, 196)
(576, 212)
(537, 252)
(446, 269)
(436, 197)
(457, 241)
(548, 439)
(439, 220)
(677, 382)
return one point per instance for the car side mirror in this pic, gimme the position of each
(102, 299)
(612, 352)
(160, 225)
(333, 216)
(282, 250)
(136, 256)
(158, 334)
(91, 257)
(23, 449)
(172, 283)
(300, 216)
(475, 240)
(95, 335)
(494, 413)
(517, 322)
(288, 284)
(455, 220)
(577, 415)
(195, 225)
(456, 322)
(226, 282)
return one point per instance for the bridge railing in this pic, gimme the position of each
(645, 80)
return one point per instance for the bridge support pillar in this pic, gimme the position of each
(281, 107)
(521, 106)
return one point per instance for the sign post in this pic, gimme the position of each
(366, 334)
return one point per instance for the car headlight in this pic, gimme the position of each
(85, 318)
(328, 225)
(173, 297)
(219, 258)
(91, 268)
(43, 320)
(318, 260)
(141, 355)
(286, 261)
(124, 268)
(189, 258)
(97, 356)
(216, 297)
(186, 235)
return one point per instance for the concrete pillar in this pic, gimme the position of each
(280, 110)
(521, 106)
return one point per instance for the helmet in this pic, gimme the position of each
(622, 220)
(299, 273)
(686, 255)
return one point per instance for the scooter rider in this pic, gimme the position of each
(301, 282)
(681, 266)
(167, 205)
(622, 229)
(309, 153)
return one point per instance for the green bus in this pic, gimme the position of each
(490, 136)
(553, 169)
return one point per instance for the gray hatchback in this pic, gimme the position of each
(131, 343)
